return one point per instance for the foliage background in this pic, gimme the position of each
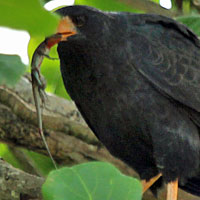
(30, 16)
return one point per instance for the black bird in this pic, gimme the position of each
(135, 78)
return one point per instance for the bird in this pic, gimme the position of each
(135, 78)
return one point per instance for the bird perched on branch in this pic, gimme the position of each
(135, 78)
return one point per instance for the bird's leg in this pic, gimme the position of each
(172, 190)
(147, 184)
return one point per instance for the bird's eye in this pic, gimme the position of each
(79, 20)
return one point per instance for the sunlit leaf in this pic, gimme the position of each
(27, 15)
(193, 22)
(8, 156)
(11, 69)
(156, 1)
(92, 181)
(42, 162)
(111, 5)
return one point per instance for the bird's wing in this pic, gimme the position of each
(168, 55)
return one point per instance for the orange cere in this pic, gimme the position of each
(66, 25)
(65, 29)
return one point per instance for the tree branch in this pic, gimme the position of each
(70, 140)
(18, 185)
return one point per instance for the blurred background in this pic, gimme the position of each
(20, 43)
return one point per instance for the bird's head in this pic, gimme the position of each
(83, 22)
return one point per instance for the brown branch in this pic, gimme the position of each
(179, 4)
(195, 4)
(70, 140)
(18, 185)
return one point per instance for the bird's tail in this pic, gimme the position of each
(192, 185)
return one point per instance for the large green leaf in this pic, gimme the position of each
(27, 15)
(91, 181)
(11, 69)
(193, 22)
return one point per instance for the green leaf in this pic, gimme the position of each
(11, 69)
(8, 156)
(27, 15)
(111, 5)
(91, 181)
(41, 162)
(156, 1)
(193, 22)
